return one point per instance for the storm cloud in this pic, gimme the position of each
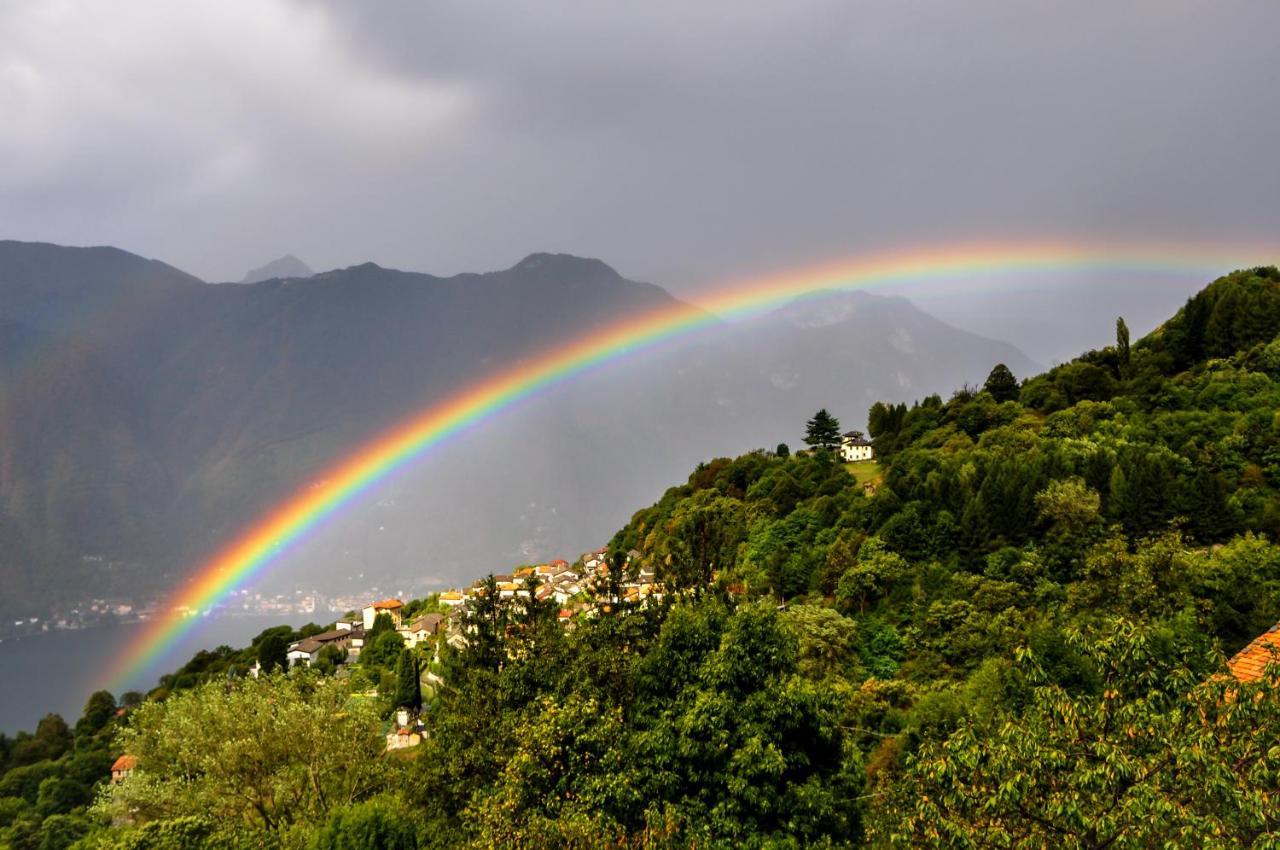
(684, 143)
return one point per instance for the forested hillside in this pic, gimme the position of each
(1012, 634)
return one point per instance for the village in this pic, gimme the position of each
(582, 589)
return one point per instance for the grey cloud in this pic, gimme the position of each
(684, 143)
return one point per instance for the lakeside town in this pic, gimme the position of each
(557, 579)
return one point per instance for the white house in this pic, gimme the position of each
(854, 447)
(305, 651)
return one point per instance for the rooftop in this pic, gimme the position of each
(1248, 664)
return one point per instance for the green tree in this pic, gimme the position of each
(381, 623)
(383, 651)
(822, 431)
(1122, 344)
(60, 795)
(273, 653)
(703, 537)
(385, 823)
(1157, 755)
(783, 450)
(1001, 383)
(1070, 506)
(270, 752)
(408, 688)
(98, 712)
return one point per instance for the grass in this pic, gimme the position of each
(865, 471)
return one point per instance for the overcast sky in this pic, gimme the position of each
(684, 143)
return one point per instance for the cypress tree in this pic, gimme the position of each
(1122, 343)
(408, 689)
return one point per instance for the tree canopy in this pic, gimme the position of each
(822, 431)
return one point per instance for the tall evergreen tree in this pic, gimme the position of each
(381, 623)
(1122, 343)
(822, 431)
(408, 688)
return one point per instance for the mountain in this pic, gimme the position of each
(148, 416)
(282, 267)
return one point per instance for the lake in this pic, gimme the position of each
(56, 671)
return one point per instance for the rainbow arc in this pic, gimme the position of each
(264, 541)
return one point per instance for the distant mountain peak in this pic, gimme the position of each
(547, 264)
(282, 267)
(828, 307)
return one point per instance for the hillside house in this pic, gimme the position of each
(403, 738)
(422, 630)
(855, 447)
(123, 768)
(305, 652)
(391, 607)
(1249, 664)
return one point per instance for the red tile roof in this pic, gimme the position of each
(388, 603)
(1248, 664)
(125, 762)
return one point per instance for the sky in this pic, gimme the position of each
(684, 143)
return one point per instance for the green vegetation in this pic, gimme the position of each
(865, 472)
(1016, 641)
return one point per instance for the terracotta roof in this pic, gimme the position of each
(125, 762)
(1248, 664)
(388, 603)
(559, 562)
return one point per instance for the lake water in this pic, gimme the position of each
(56, 671)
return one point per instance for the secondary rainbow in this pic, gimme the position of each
(263, 541)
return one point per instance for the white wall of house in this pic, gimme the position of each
(851, 453)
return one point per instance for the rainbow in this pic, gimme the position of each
(265, 540)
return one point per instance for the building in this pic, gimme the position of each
(1250, 663)
(403, 738)
(305, 652)
(392, 607)
(123, 768)
(422, 630)
(855, 447)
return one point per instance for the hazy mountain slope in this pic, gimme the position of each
(151, 432)
(281, 267)
(55, 288)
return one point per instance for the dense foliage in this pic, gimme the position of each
(1011, 635)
